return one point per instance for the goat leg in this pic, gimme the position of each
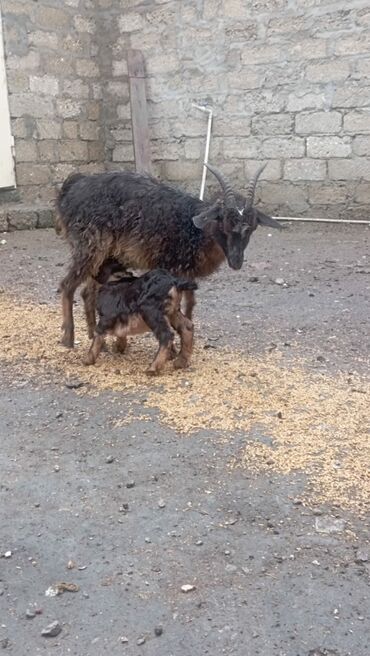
(161, 328)
(89, 299)
(77, 273)
(184, 327)
(95, 349)
(189, 303)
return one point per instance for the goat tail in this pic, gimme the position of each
(185, 285)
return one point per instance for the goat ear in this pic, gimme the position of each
(210, 214)
(263, 219)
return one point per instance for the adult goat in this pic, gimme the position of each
(146, 224)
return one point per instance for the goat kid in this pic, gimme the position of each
(150, 302)
(146, 224)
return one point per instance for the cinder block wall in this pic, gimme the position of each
(288, 81)
(55, 98)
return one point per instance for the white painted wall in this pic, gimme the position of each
(7, 175)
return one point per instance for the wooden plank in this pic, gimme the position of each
(139, 114)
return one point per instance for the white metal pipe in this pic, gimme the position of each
(208, 111)
(310, 220)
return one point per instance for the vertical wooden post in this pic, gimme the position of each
(139, 115)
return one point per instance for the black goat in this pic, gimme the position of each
(137, 305)
(146, 224)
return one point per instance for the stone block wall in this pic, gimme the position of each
(289, 83)
(288, 80)
(55, 99)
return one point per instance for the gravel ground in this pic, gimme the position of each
(139, 510)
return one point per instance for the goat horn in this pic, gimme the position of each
(226, 186)
(252, 187)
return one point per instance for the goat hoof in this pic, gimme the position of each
(181, 362)
(88, 361)
(172, 353)
(152, 372)
(68, 341)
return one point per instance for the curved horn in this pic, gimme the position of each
(225, 184)
(252, 187)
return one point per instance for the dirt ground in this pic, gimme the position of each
(246, 477)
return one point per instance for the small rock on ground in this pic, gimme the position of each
(52, 630)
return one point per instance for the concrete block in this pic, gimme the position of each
(51, 18)
(25, 151)
(182, 170)
(29, 62)
(271, 172)
(46, 129)
(41, 39)
(284, 196)
(353, 45)
(304, 169)
(327, 147)
(32, 174)
(89, 130)
(283, 147)
(357, 122)
(334, 193)
(22, 104)
(45, 218)
(350, 169)
(96, 150)
(261, 54)
(72, 150)
(301, 100)
(318, 122)
(119, 68)
(45, 85)
(87, 68)
(354, 95)
(83, 24)
(70, 129)
(277, 124)
(22, 219)
(362, 193)
(330, 71)
(48, 150)
(3, 220)
(361, 146)
(242, 148)
(76, 89)
(123, 153)
(69, 108)
(130, 22)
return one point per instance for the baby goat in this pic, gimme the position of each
(135, 305)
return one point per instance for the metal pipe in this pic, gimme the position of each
(208, 111)
(309, 220)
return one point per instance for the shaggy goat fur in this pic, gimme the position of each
(145, 224)
(135, 305)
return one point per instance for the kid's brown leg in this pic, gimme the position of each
(184, 327)
(161, 328)
(95, 349)
(189, 303)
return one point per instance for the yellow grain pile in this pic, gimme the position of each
(314, 422)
